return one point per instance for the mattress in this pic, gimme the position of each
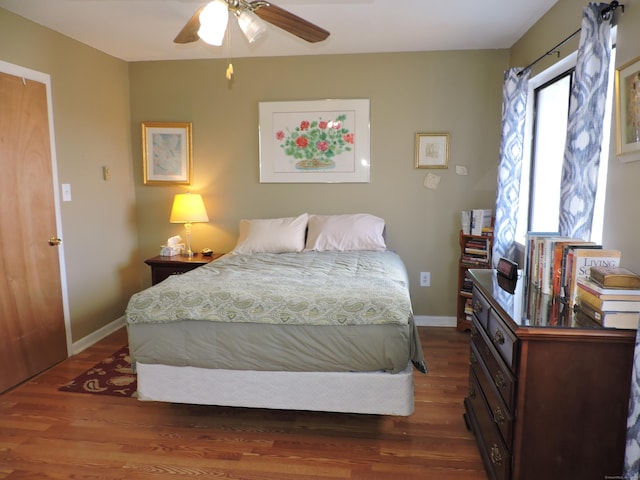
(312, 311)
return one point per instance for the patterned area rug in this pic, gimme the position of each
(112, 376)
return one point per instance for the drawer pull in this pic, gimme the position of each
(472, 391)
(498, 416)
(498, 337)
(496, 457)
(472, 359)
(477, 307)
(499, 380)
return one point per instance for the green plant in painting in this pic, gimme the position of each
(316, 143)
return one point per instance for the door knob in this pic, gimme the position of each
(53, 241)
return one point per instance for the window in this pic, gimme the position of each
(546, 127)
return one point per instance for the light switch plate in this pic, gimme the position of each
(66, 192)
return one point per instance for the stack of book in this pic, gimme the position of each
(476, 252)
(477, 221)
(610, 297)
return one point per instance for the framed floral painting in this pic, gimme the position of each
(317, 141)
(628, 111)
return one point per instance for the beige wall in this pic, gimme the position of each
(621, 228)
(91, 119)
(108, 223)
(455, 92)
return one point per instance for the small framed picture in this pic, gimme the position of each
(432, 150)
(628, 111)
(166, 153)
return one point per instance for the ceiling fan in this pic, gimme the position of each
(210, 22)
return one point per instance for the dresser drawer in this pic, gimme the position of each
(500, 412)
(498, 371)
(495, 454)
(503, 339)
(480, 307)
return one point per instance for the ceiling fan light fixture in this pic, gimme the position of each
(251, 25)
(213, 22)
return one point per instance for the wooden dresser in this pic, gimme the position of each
(547, 398)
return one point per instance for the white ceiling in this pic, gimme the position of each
(136, 30)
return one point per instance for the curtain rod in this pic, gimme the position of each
(606, 13)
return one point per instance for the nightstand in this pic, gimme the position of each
(162, 267)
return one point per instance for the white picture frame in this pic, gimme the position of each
(628, 111)
(316, 141)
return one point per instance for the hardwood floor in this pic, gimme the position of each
(47, 434)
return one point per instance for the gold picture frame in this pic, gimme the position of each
(166, 153)
(432, 150)
(628, 111)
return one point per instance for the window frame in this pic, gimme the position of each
(561, 68)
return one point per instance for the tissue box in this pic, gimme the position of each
(171, 250)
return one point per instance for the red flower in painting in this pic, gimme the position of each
(317, 140)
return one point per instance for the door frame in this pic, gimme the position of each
(44, 78)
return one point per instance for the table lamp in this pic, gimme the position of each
(188, 208)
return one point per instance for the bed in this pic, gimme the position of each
(307, 313)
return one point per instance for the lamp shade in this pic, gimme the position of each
(251, 25)
(213, 22)
(188, 208)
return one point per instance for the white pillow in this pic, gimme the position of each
(359, 231)
(272, 235)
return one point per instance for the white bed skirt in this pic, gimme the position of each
(347, 392)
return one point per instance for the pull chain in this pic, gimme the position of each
(229, 72)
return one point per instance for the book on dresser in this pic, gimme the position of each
(567, 263)
(611, 319)
(592, 292)
(560, 250)
(615, 277)
(551, 259)
(534, 256)
(609, 307)
(579, 263)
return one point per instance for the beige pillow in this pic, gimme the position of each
(359, 231)
(272, 235)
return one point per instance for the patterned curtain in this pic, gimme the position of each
(584, 129)
(514, 108)
(632, 452)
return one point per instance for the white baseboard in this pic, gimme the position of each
(96, 336)
(430, 321)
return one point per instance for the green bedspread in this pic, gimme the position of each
(311, 288)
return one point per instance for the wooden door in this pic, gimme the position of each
(32, 326)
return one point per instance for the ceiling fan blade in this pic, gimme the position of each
(288, 21)
(189, 32)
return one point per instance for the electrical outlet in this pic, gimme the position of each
(425, 279)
